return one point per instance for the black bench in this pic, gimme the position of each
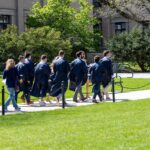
(121, 68)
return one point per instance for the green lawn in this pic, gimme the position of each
(127, 82)
(106, 126)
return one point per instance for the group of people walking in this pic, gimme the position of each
(42, 79)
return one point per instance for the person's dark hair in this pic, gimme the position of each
(43, 57)
(106, 52)
(61, 53)
(27, 54)
(79, 53)
(96, 58)
(20, 57)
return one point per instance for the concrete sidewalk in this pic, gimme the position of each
(135, 75)
(138, 95)
(49, 106)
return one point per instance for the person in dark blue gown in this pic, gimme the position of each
(96, 72)
(42, 73)
(60, 73)
(24, 75)
(78, 75)
(30, 66)
(107, 63)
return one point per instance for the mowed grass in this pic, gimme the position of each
(132, 83)
(106, 126)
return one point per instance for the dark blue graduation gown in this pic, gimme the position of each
(24, 75)
(22, 71)
(107, 63)
(79, 71)
(61, 69)
(30, 67)
(40, 86)
(97, 71)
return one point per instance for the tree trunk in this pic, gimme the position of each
(142, 66)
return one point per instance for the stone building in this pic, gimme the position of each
(111, 26)
(16, 11)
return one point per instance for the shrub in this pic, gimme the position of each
(133, 46)
(42, 40)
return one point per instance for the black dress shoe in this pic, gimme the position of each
(83, 99)
(95, 101)
(76, 101)
(101, 99)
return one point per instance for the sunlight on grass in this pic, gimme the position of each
(107, 126)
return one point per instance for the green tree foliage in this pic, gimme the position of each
(75, 23)
(42, 40)
(8, 44)
(133, 47)
(137, 10)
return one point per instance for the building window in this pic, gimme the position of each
(4, 21)
(120, 27)
(97, 29)
(96, 4)
(145, 27)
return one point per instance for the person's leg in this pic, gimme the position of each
(100, 95)
(75, 97)
(21, 88)
(16, 96)
(99, 91)
(75, 94)
(13, 99)
(26, 91)
(9, 98)
(87, 88)
(94, 96)
(81, 93)
(43, 90)
(23, 97)
(27, 98)
(65, 89)
(96, 90)
(106, 89)
(58, 98)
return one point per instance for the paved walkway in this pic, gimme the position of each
(53, 106)
(49, 106)
(135, 75)
(119, 97)
(137, 95)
